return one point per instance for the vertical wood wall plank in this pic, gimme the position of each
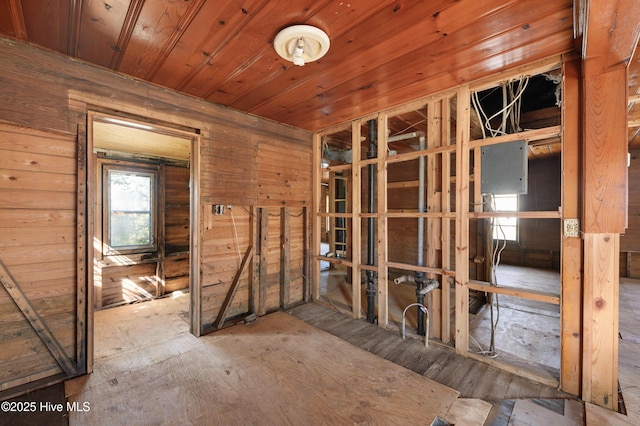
(445, 305)
(356, 222)
(196, 207)
(600, 344)
(462, 220)
(82, 300)
(605, 151)
(306, 278)
(605, 217)
(90, 230)
(433, 198)
(316, 231)
(382, 235)
(571, 252)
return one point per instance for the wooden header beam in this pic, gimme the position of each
(610, 33)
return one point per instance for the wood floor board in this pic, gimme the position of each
(225, 369)
(472, 380)
(481, 381)
(276, 370)
(461, 373)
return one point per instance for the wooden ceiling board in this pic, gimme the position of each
(382, 54)
(354, 51)
(210, 32)
(100, 27)
(47, 23)
(277, 75)
(406, 73)
(253, 42)
(384, 94)
(157, 29)
(354, 54)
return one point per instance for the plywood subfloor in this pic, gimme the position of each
(277, 370)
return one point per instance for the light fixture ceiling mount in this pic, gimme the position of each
(301, 44)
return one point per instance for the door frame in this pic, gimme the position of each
(87, 164)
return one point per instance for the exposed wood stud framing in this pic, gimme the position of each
(356, 222)
(316, 232)
(81, 251)
(262, 265)
(195, 238)
(571, 263)
(462, 220)
(285, 258)
(382, 223)
(446, 222)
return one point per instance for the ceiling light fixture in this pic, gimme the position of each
(301, 44)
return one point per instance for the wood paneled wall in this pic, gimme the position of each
(38, 249)
(244, 161)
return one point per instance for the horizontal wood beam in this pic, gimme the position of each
(538, 296)
(528, 135)
(416, 214)
(634, 123)
(408, 156)
(551, 214)
(335, 260)
(610, 34)
(427, 269)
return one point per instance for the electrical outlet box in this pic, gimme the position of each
(505, 168)
(571, 228)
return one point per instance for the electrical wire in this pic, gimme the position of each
(510, 109)
(237, 241)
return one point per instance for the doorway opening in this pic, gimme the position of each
(141, 213)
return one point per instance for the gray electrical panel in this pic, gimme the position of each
(504, 168)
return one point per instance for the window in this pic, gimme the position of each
(505, 228)
(129, 214)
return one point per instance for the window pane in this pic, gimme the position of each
(505, 228)
(130, 213)
(506, 203)
(130, 229)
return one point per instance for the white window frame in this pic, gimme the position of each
(133, 168)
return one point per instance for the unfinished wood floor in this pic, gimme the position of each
(527, 335)
(277, 370)
(146, 358)
(472, 378)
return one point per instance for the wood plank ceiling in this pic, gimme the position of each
(383, 53)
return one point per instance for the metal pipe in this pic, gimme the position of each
(371, 285)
